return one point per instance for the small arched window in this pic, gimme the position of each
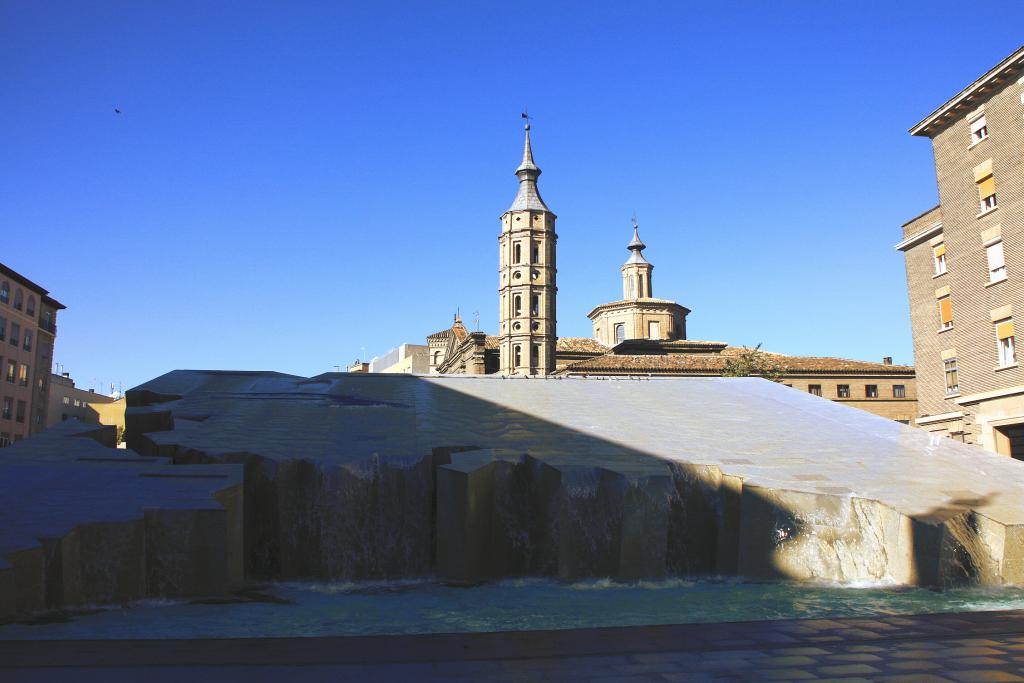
(517, 355)
(620, 333)
(517, 305)
(17, 299)
(30, 308)
(535, 355)
(517, 250)
(631, 287)
(641, 289)
(535, 304)
(536, 252)
(5, 293)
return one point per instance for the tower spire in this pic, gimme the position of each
(528, 198)
(636, 245)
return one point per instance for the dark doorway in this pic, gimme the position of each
(1010, 440)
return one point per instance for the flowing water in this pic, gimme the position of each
(424, 606)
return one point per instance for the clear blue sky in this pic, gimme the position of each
(293, 185)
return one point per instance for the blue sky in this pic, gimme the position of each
(292, 186)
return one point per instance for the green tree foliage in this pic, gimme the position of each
(755, 363)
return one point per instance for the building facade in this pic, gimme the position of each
(66, 401)
(28, 331)
(527, 287)
(965, 265)
(638, 315)
(406, 358)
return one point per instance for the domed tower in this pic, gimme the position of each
(527, 277)
(638, 315)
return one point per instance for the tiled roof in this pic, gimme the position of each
(704, 363)
(492, 341)
(443, 334)
(579, 345)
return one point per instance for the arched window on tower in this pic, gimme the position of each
(620, 333)
(517, 305)
(535, 304)
(631, 287)
(534, 355)
(516, 252)
(642, 289)
(517, 355)
(536, 252)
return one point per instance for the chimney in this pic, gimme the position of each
(67, 374)
(887, 360)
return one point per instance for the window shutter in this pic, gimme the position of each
(945, 310)
(996, 258)
(1004, 330)
(986, 187)
(940, 250)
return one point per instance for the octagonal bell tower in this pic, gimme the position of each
(527, 277)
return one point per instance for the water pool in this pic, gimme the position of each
(424, 606)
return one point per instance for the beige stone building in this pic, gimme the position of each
(406, 358)
(965, 265)
(67, 401)
(527, 286)
(28, 330)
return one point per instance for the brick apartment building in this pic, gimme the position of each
(965, 265)
(28, 329)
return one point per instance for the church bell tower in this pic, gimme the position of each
(527, 277)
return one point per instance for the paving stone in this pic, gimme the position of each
(786, 675)
(866, 648)
(973, 650)
(983, 676)
(914, 665)
(857, 657)
(791, 660)
(915, 678)
(844, 669)
(806, 651)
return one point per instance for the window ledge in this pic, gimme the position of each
(945, 329)
(996, 282)
(953, 395)
(987, 211)
(945, 272)
(978, 142)
(1006, 367)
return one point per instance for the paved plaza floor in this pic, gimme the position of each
(976, 646)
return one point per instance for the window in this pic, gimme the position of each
(5, 439)
(871, 390)
(843, 390)
(47, 322)
(654, 329)
(15, 334)
(536, 252)
(17, 299)
(535, 304)
(12, 367)
(517, 305)
(19, 415)
(67, 400)
(952, 381)
(939, 258)
(30, 309)
(996, 261)
(632, 286)
(23, 375)
(899, 391)
(1005, 344)
(5, 293)
(945, 313)
(979, 130)
(516, 252)
(620, 333)
(28, 340)
(6, 411)
(517, 355)
(535, 355)
(814, 389)
(986, 186)
(3, 329)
